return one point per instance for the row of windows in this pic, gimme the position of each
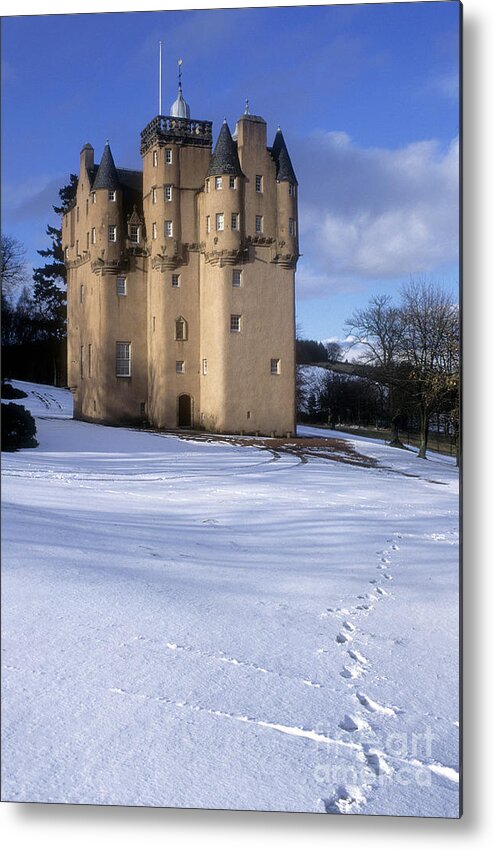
(123, 362)
(168, 192)
(218, 183)
(121, 283)
(168, 157)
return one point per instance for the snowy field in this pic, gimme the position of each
(204, 625)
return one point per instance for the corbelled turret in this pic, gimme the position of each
(225, 157)
(106, 176)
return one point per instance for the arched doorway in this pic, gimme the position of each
(184, 416)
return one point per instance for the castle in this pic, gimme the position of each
(180, 280)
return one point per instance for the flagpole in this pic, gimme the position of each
(160, 75)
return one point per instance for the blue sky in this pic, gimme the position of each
(366, 95)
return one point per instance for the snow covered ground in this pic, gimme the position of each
(206, 625)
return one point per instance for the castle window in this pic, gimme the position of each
(81, 362)
(235, 324)
(259, 224)
(90, 360)
(291, 190)
(93, 235)
(180, 329)
(168, 192)
(77, 214)
(66, 253)
(218, 182)
(292, 229)
(82, 293)
(154, 195)
(121, 286)
(134, 233)
(236, 277)
(123, 360)
(179, 367)
(77, 247)
(168, 228)
(93, 197)
(208, 186)
(155, 230)
(204, 367)
(154, 323)
(111, 195)
(275, 366)
(208, 224)
(233, 183)
(87, 240)
(168, 156)
(220, 221)
(87, 206)
(112, 233)
(258, 182)
(175, 280)
(155, 158)
(234, 221)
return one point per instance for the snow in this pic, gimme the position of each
(198, 624)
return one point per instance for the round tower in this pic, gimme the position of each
(107, 237)
(223, 225)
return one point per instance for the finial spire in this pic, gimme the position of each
(180, 63)
(247, 106)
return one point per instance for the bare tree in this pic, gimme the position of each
(377, 329)
(430, 347)
(12, 264)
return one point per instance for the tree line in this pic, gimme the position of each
(412, 353)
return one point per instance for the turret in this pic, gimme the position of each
(287, 216)
(108, 237)
(223, 228)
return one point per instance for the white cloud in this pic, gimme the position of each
(373, 213)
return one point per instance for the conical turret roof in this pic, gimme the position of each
(106, 175)
(225, 157)
(284, 167)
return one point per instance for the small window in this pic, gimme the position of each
(259, 224)
(204, 367)
(175, 280)
(87, 206)
(87, 240)
(134, 233)
(93, 197)
(112, 233)
(275, 366)
(93, 236)
(233, 182)
(180, 329)
(220, 221)
(168, 228)
(208, 224)
(291, 190)
(234, 221)
(77, 214)
(292, 227)
(82, 293)
(235, 324)
(66, 253)
(123, 360)
(208, 185)
(155, 230)
(142, 408)
(248, 414)
(154, 323)
(236, 277)
(154, 195)
(90, 360)
(180, 367)
(155, 158)
(258, 182)
(121, 286)
(81, 362)
(218, 182)
(77, 247)
(168, 192)
(111, 195)
(168, 156)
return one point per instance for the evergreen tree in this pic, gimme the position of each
(50, 280)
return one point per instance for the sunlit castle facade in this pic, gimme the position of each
(181, 280)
